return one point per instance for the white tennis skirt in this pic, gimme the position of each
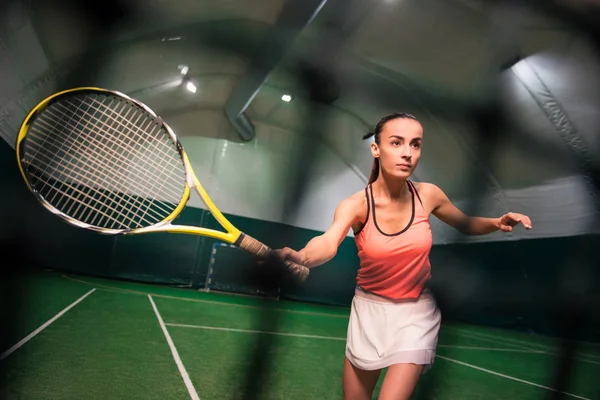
(382, 333)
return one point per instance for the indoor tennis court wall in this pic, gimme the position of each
(511, 284)
(164, 258)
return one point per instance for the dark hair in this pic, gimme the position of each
(377, 133)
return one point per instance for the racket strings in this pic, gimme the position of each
(142, 177)
(87, 175)
(139, 173)
(169, 159)
(104, 161)
(168, 162)
(82, 174)
(81, 195)
(78, 194)
(104, 171)
(150, 123)
(125, 147)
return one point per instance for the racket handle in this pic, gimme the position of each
(251, 245)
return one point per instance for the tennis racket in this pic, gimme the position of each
(106, 162)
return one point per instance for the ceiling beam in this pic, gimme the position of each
(294, 17)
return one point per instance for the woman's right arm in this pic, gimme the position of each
(323, 248)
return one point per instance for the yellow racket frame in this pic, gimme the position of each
(232, 233)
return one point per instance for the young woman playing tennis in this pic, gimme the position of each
(394, 320)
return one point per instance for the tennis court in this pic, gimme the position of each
(80, 337)
(277, 106)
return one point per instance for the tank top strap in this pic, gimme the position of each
(413, 188)
(368, 200)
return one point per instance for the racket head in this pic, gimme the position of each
(103, 161)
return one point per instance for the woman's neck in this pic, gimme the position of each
(391, 187)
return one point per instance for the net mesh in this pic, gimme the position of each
(229, 271)
(104, 161)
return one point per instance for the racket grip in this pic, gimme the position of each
(251, 245)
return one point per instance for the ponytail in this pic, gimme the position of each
(374, 171)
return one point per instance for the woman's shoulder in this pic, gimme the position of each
(426, 187)
(356, 207)
(353, 206)
(357, 199)
(429, 193)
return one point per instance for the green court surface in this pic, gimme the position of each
(119, 340)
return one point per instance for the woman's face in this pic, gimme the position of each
(399, 147)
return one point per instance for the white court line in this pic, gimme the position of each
(507, 341)
(182, 371)
(480, 336)
(341, 338)
(517, 342)
(217, 328)
(509, 377)
(492, 349)
(44, 326)
(302, 335)
(586, 343)
(195, 300)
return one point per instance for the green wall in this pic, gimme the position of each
(521, 285)
(542, 285)
(174, 259)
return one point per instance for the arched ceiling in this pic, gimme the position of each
(435, 58)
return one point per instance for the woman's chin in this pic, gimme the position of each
(402, 173)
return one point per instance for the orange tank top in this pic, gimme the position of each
(394, 265)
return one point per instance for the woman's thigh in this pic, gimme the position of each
(400, 381)
(358, 384)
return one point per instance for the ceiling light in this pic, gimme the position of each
(287, 98)
(191, 87)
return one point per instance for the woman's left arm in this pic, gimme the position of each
(451, 215)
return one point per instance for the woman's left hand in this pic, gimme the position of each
(507, 221)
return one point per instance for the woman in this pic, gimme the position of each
(394, 321)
